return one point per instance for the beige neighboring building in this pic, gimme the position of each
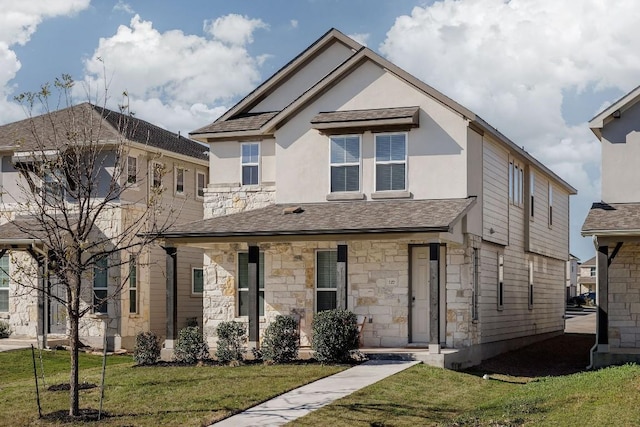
(587, 276)
(343, 181)
(179, 167)
(614, 223)
(572, 275)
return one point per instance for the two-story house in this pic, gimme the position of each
(614, 224)
(343, 181)
(158, 163)
(587, 276)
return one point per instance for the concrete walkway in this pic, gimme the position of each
(7, 344)
(301, 401)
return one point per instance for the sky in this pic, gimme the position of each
(537, 70)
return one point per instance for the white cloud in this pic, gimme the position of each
(173, 78)
(18, 21)
(121, 6)
(361, 38)
(512, 63)
(234, 29)
(294, 23)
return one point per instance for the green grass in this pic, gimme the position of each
(145, 396)
(428, 396)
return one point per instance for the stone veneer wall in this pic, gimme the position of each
(222, 200)
(624, 298)
(23, 300)
(378, 277)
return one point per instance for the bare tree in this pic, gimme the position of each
(73, 163)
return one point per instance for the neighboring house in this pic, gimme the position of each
(572, 275)
(614, 223)
(587, 276)
(178, 168)
(343, 181)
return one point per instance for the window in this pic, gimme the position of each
(201, 183)
(52, 187)
(243, 284)
(530, 285)
(179, 180)
(592, 271)
(532, 191)
(132, 169)
(500, 282)
(250, 162)
(197, 280)
(475, 315)
(345, 163)
(516, 177)
(157, 172)
(133, 285)
(391, 162)
(100, 271)
(326, 278)
(550, 205)
(4, 283)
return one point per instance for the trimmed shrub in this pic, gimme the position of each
(147, 348)
(335, 334)
(232, 337)
(5, 329)
(281, 340)
(191, 346)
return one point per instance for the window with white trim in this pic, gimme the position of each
(179, 180)
(592, 271)
(326, 280)
(132, 169)
(345, 163)
(243, 283)
(391, 162)
(100, 281)
(201, 183)
(530, 285)
(516, 178)
(250, 163)
(53, 183)
(133, 285)
(550, 204)
(157, 171)
(532, 192)
(4, 284)
(500, 292)
(197, 280)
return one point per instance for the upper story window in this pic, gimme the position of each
(391, 162)
(250, 163)
(592, 271)
(132, 169)
(532, 192)
(550, 204)
(516, 177)
(179, 180)
(201, 183)
(345, 163)
(53, 187)
(156, 175)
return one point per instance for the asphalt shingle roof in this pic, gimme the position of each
(610, 217)
(105, 124)
(242, 122)
(363, 115)
(332, 218)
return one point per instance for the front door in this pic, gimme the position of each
(419, 298)
(57, 311)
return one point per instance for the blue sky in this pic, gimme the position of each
(537, 70)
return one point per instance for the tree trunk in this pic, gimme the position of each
(74, 341)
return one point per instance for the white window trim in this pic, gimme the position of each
(550, 205)
(358, 163)
(391, 162)
(137, 178)
(532, 194)
(530, 293)
(105, 288)
(175, 180)
(242, 164)
(315, 280)
(500, 289)
(6, 288)
(204, 174)
(516, 183)
(136, 288)
(193, 281)
(152, 175)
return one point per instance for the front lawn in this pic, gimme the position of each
(145, 396)
(428, 396)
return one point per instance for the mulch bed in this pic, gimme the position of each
(562, 355)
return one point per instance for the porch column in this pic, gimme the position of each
(254, 297)
(602, 298)
(434, 298)
(172, 295)
(42, 313)
(341, 279)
